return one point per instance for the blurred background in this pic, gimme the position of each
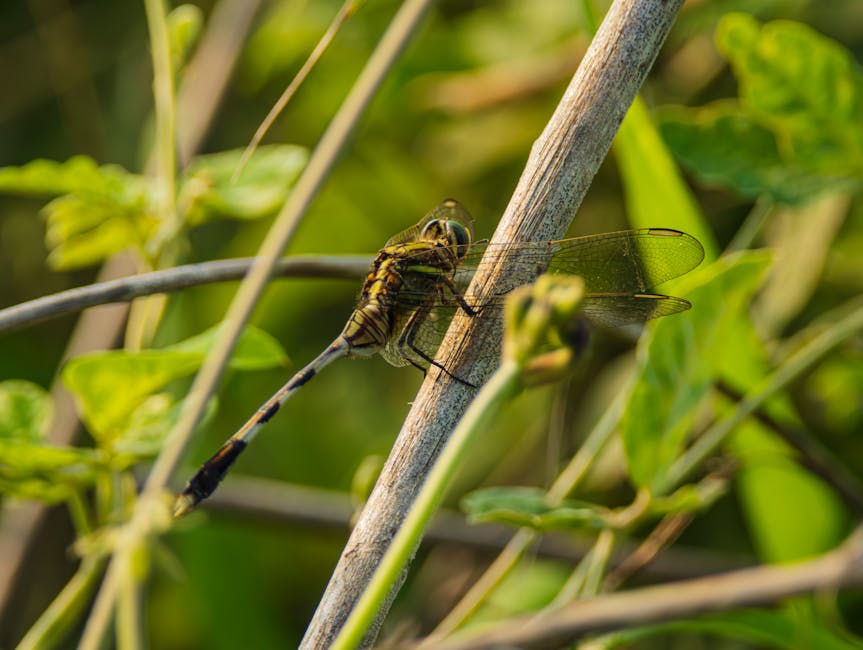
(456, 118)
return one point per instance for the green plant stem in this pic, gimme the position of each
(791, 369)
(129, 628)
(597, 562)
(501, 387)
(515, 549)
(63, 613)
(348, 9)
(79, 514)
(165, 109)
(145, 314)
(752, 225)
(585, 579)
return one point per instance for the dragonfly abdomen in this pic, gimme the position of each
(368, 329)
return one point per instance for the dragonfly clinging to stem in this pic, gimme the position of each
(415, 285)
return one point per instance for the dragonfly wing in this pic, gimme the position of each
(604, 310)
(391, 351)
(417, 339)
(629, 261)
(616, 310)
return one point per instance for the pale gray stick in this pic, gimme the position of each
(168, 280)
(561, 166)
(842, 567)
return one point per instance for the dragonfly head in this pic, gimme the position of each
(449, 233)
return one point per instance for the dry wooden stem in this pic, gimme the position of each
(562, 164)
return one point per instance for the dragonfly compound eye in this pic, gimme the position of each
(458, 235)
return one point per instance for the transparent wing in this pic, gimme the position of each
(612, 310)
(618, 268)
(629, 261)
(605, 310)
(448, 209)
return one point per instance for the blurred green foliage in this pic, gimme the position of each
(772, 111)
(795, 130)
(100, 211)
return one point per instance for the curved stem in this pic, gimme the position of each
(347, 10)
(180, 277)
(515, 549)
(62, 614)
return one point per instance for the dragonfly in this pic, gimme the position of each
(417, 283)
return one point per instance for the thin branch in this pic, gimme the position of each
(813, 455)
(348, 9)
(559, 172)
(256, 499)
(840, 568)
(668, 530)
(174, 279)
(566, 483)
(710, 488)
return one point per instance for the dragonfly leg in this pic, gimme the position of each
(407, 340)
(466, 308)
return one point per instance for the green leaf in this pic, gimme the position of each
(806, 87)
(29, 468)
(796, 129)
(656, 195)
(100, 210)
(256, 350)
(50, 474)
(83, 232)
(678, 360)
(78, 175)
(209, 189)
(147, 427)
(768, 482)
(26, 411)
(726, 147)
(110, 386)
(528, 507)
